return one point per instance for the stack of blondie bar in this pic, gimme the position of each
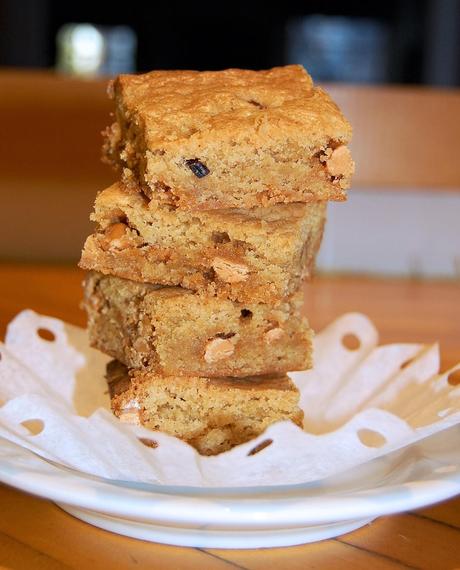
(196, 265)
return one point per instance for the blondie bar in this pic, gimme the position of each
(230, 139)
(211, 414)
(174, 331)
(246, 255)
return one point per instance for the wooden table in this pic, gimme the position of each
(35, 534)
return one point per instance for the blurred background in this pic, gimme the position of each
(392, 66)
(404, 41)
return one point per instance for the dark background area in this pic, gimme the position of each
(423, 35)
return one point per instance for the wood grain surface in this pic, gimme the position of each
(35, 534)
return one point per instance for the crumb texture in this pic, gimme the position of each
(174, 331)
(260, 254)
(211, 415)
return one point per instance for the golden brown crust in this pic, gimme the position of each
(233, 138)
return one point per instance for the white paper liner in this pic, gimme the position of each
(358, 404)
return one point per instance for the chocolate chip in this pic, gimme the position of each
(199, 169)
(210, 274)
(225, 335)
(256, 103)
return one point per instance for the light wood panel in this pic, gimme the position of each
(447, 513)
(46, 529)
(403, 136)
(16, 555)
(412, 540)
(50, 168)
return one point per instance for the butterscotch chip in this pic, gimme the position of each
(258, 254)
(116, 236)
(218, 349)
(340, 162)
(274, 334)
(130, 417)
(129, 413)
(227, 139)
(141, 345)
(116, 231)
(188, 334)
(213, 415)
(230, 271)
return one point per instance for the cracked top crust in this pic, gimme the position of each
(230, 139)
(175, 105)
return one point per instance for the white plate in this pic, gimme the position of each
(246, 517)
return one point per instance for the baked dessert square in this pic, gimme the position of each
(211, 414)
(174, 331)
(230, 139)
(258, 255)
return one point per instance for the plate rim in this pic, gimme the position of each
(63, 486)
